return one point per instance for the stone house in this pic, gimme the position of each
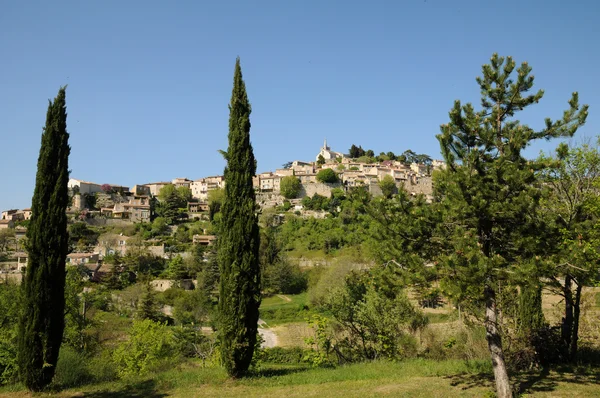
(111, 244)
(181, 182)
(13, 215)
(198, 207)
(140, 190)
(202, 186)
(84, 187)
(204, 240)
(155, 187)
(5, 224)
(82, 258)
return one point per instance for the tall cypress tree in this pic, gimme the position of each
(42, 317)
(239, 291)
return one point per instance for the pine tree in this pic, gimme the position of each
(489, 192)
(42, 318)
(239, 241)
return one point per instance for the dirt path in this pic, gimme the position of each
(285, 298)
(269, 337)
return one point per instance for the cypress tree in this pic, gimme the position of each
(42, 317)
(239, 290)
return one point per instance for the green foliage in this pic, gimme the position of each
(72, 369)
(281, 355)
(283, 277)
(327, 176)
(316, 202)
(77, 333)
(490, 196)
(42, 318)
(81, 236)
(147, 307)
(173, 203)
(149, 343)
(388, 186)
(192, 343)
(531, 317)
(239, 240)
(356, 152)
(320, 343)
(375, 320)
(10, 298)
(290, 187)
(191, 308)
(215, 201)
(320, 160)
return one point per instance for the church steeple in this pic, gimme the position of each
(325, 147)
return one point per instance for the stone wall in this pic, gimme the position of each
(310, 189)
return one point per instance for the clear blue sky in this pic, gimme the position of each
(149, 81)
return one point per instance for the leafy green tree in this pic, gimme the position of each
(369, 153)
(215, 201)
(149, 343)
(574, 179)
(77, 323)
(388, 186)
(327, 176)
(239, 240)
(184, 193)
(42, 319)
(489, 194)
(290, 187)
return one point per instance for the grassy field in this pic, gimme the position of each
(411, 378)
(280, 309)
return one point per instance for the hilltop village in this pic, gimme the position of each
(114, 206)
(133, 204)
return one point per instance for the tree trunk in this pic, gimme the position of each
(575, 330)
(495, 345)
(567, 321)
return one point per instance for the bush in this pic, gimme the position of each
(71, 369)
(8, 362)
(149, 344)
(281, 355)
(373, 320)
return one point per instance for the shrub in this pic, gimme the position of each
(281, 355)
(71, 369)
(149, 344)
(8, 362)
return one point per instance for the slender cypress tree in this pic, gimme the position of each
(42, 316)
(239, 291)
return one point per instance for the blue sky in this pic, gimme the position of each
(149, 81)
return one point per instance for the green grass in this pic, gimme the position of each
(410, 378)
(276, 310)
